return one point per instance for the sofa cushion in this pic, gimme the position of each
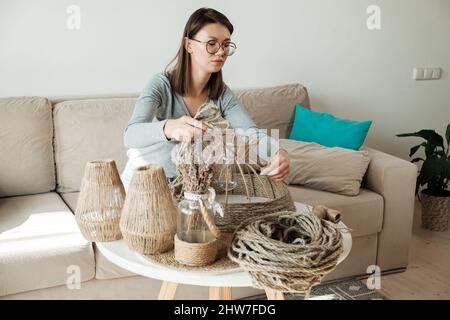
(39, 240)
(26, 141)
(362, 255)
(86, 130)
(335, 169)
(274, 107)
(71, 199)
(103, 268)
(362, 213)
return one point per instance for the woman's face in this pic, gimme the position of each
(200, 57)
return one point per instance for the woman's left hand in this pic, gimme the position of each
(278, 167)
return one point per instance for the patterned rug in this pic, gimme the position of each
(345, 290)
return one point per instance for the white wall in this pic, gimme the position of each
(324, 44)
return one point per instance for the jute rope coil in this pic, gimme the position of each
(286, 251)
(100, 202)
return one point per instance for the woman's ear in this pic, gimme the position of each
(187, 45)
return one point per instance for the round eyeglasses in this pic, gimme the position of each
(213, 46)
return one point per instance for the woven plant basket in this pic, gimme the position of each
(148, 221)
(277, 193)
(100, 202)
(435, 212)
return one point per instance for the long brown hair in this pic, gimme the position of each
(179, 74)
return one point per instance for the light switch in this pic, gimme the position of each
(418, 74)
(426, 73)
(436, 73)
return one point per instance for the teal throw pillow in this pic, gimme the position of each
(327, 130)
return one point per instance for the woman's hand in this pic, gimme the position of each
(184, 128)
(278, 167)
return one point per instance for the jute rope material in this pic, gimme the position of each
(221, 265)
(326, 213)
(286, 251)
(209, 221)
(195, 254)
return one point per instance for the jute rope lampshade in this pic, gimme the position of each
(100, 202)
(148, 221)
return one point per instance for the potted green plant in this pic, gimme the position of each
(433, 178)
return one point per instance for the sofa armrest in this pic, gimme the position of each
(395, 180)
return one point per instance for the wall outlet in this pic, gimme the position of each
(426, 73)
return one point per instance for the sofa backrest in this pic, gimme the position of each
(274, 107)
(90, 129)
(26, 146)
(85, 129)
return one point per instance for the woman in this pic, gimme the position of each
(163, 114)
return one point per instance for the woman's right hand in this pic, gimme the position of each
(184, 128)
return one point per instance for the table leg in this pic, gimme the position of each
(271, 294)
(220, 293)
(280, 295)
(167, 291)
(274, 294)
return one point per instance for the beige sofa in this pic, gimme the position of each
(45, 144)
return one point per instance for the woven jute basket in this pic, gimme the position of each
(148, 221)
(276, 193)
(100, 202)
(435, 212)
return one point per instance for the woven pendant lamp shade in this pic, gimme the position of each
(148, 221)
(100, 202)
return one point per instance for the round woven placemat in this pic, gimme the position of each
(221, 265)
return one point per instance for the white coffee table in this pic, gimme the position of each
(220, 285)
